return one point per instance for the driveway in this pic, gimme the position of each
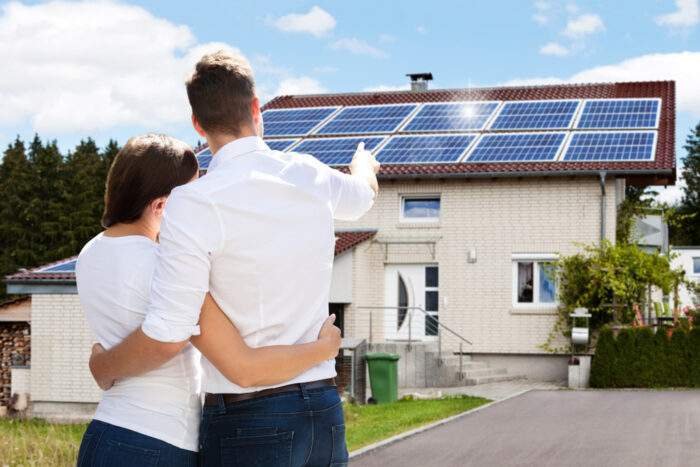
(562, 429)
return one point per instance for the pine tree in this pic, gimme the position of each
(689, 230)
(83, 176)
(15, 195)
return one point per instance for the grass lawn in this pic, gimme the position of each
(366, 424)
(37, 443)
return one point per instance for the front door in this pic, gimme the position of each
(410, 288)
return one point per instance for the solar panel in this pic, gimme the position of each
(611, 146)
(336, 151)
(204, 159)
(517, 147)
(68, 266)
(408, 149)
(620, 113)
(294, 122)
(535, 115)
(458, 116)
(280, 144)
(367, 119)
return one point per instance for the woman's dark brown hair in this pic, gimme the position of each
(147, 167)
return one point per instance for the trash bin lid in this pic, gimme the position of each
(382, 356)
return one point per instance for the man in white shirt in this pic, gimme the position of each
(257, 232)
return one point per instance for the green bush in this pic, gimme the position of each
(638, 358)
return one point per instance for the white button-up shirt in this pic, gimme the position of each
(257, 232)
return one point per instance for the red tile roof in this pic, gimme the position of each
(659, 171)
(344, 241)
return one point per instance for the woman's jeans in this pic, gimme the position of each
(106, 445)
(303, 427)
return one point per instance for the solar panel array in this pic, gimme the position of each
(517, 147)
(566, 130)
(336, 151)
(367, 119)
(458, 116)
(611, 146)
(536, 115)
(68, 266)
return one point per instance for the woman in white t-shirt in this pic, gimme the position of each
(152, 420)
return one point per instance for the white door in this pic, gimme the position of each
(410, 288)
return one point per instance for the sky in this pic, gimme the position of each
(114, 69)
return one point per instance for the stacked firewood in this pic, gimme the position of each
(15, 348)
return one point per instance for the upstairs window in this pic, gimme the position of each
(420, 208)
(696, 265)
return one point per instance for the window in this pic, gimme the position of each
(420, 208)
(696, 265)
(431, 301)
(534, 281)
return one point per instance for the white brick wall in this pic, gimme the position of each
(61, 343)
(498, 218)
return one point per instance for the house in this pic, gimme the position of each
(480, 190)
(688, 258)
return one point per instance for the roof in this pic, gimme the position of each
(66, 275)
(350, 239)
(662, 170)
(46, 273)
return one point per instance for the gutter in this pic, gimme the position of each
(603, 202)
(512, 174)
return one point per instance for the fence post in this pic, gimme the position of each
(410, 326)
(439, 346)
(370, 327)
(461, 372)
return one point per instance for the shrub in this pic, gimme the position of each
(638, 358)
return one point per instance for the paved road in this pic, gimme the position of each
(561, 429)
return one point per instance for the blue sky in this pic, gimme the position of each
(114, 69)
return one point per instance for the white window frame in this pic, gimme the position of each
(418, 220)
(535, 259)
(693, 272)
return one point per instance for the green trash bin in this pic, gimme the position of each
(383, 376)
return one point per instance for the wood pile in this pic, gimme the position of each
(15, 349)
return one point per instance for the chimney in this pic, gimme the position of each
(419, 81)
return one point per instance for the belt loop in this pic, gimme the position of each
(304, 394)
(221, 403)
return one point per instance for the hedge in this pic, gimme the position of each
(640, 358)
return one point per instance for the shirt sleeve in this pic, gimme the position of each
(191, 232)
(352, 196)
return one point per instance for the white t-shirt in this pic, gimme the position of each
(114, 282)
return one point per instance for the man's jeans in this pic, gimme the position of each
(304, 427)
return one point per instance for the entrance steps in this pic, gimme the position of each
(422, 366)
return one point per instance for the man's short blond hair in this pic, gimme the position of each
(220, 92)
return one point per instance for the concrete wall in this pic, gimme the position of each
(536, 367)
(61, 343)
(498, 218)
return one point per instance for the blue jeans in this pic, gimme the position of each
(303, 427)
(106, 445)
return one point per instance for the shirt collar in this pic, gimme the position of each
(235, 148)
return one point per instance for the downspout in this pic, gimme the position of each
(602, 206)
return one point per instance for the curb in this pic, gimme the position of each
(408, 434)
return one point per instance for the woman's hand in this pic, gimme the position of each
(329, 337)
(103, 382)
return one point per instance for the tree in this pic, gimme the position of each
(688, 228)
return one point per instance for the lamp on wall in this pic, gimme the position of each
(471, 255)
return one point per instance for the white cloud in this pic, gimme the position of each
(543, 11)
(687, 14)
(87, 66)
(583, 25)
(683, 67)
(358, 47)
(299, 85)
(316, 22)
(555, 49)
(420, 29)
(387, 88)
